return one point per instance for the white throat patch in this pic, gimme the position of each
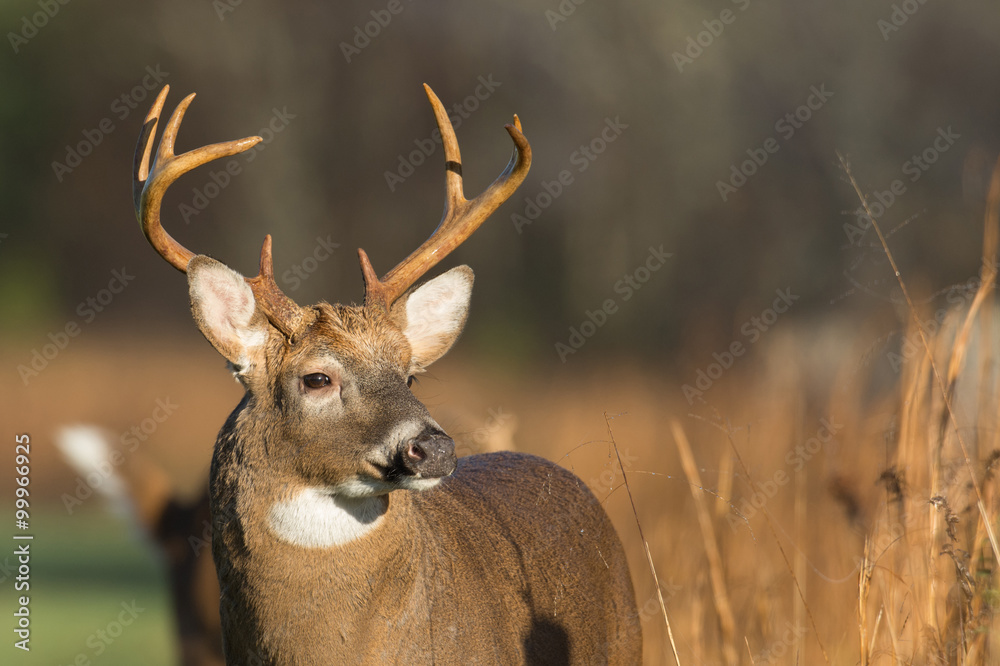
(316, 518)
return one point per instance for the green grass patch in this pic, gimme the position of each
(98, 596)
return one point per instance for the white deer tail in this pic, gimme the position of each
(88, 451)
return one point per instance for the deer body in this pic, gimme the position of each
(474, 571)
(344, 529)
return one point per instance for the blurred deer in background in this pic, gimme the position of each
(176, 528)
(345, 529)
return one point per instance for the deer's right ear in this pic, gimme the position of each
(225, 310)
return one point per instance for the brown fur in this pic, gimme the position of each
(509, 560)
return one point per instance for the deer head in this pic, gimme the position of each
(327, 386)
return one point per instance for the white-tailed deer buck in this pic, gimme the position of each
(344, 529)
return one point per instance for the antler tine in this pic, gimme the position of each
(284, 313)
(461, 216)
(150, 183)
(144, 147)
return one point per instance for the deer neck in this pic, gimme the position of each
(288, 550)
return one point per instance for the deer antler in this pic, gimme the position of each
(461, 216)
(149, 184)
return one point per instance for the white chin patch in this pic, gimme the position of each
(413, 483)
(361, 488)
(317, 518)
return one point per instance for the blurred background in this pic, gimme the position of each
(686, 247)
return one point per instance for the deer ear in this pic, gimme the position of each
(432, 315)
(226, 312)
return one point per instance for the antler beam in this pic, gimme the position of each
(461, 216)
(150, 183)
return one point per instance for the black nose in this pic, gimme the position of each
(429, 455)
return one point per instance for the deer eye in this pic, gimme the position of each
(316, 380)
(411, 380)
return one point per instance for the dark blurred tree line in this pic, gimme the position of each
(688, 125)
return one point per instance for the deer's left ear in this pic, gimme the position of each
(432, 315)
